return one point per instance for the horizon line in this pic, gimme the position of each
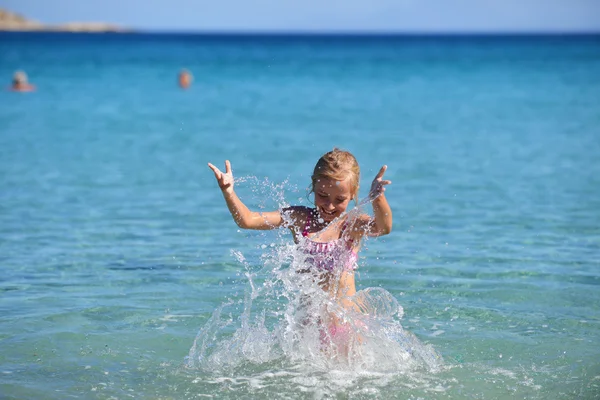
(309, 32)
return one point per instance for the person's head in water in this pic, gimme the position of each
(335, 181)
(20, 82)
(19, 78)
(185, 79)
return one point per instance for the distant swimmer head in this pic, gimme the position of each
(185, 79)
(20, 83)
(19, 78)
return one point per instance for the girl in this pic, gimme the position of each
(327, 235)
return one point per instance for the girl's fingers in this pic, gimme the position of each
(227, 167)
(214, 169)
(381, 172)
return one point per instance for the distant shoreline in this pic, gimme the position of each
(301, 34)
(59, 29)
(13, 22)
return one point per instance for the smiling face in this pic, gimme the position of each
(332, 197)
(335, 182)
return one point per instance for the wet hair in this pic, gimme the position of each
(337, 165)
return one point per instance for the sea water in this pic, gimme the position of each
(124, 276)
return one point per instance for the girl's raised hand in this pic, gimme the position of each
(224, 179)
(378, 185)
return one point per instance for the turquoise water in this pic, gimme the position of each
(116, 246)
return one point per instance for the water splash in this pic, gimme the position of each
(285, 321)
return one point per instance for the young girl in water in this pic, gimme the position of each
(327, 235)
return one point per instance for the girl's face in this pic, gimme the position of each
(332, 197)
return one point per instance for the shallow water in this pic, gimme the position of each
(116, 247)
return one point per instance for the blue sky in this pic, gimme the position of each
(324, 15)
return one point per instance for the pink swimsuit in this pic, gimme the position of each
(326, 256)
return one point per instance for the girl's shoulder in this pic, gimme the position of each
(297, 215)
(358, 226)
(360, 220)
(297, 211)
(297, 218)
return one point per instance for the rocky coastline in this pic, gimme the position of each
(10, 21)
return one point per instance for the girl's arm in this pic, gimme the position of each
(381, 224)
(242, 216)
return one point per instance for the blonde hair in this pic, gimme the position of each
(337, 165)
